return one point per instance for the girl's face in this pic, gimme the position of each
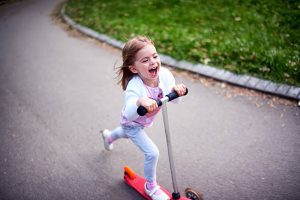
(147, 65)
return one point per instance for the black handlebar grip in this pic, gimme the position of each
(143, 111)
(173, 95)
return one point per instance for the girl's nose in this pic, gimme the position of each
(152, 61)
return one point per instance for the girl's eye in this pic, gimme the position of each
(144, 61)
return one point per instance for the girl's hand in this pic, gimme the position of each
(180, 89)
(148, 103)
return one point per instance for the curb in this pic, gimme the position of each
(283, 90)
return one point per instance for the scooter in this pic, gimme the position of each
(137, 182)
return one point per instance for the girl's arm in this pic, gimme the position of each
(170, 81)
(130, 107)
(133, 101)
(149, 104)
(180, 89)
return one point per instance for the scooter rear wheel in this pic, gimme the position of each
(192, 194)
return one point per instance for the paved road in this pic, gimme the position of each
(58, 90)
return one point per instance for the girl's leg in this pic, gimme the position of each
(110, 136)
(117, 133)
(150, 150)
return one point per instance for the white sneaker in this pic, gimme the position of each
(151, 193)
(105, 134)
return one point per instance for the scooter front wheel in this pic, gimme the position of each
(192, 194)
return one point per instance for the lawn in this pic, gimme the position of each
(256, 37)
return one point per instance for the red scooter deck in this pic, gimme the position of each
(137, 182)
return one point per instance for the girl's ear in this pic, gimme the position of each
(133, 69)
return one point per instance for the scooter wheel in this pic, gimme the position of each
(192, 194)
(129, 172)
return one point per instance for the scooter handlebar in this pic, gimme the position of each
(171, 96)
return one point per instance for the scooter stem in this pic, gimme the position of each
(175, 194)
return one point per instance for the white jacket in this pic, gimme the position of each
(136, 89)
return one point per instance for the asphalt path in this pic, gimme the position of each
(58, 90)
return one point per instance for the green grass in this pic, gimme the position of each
(256, 37)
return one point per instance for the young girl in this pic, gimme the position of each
(143, 80)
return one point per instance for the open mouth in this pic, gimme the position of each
(153, 71)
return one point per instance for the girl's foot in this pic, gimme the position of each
(105, 135)
(156, 193)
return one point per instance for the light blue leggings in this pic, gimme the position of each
(139, 137)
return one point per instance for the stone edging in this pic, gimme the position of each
(287, 91)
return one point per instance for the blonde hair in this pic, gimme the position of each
(128, 53)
